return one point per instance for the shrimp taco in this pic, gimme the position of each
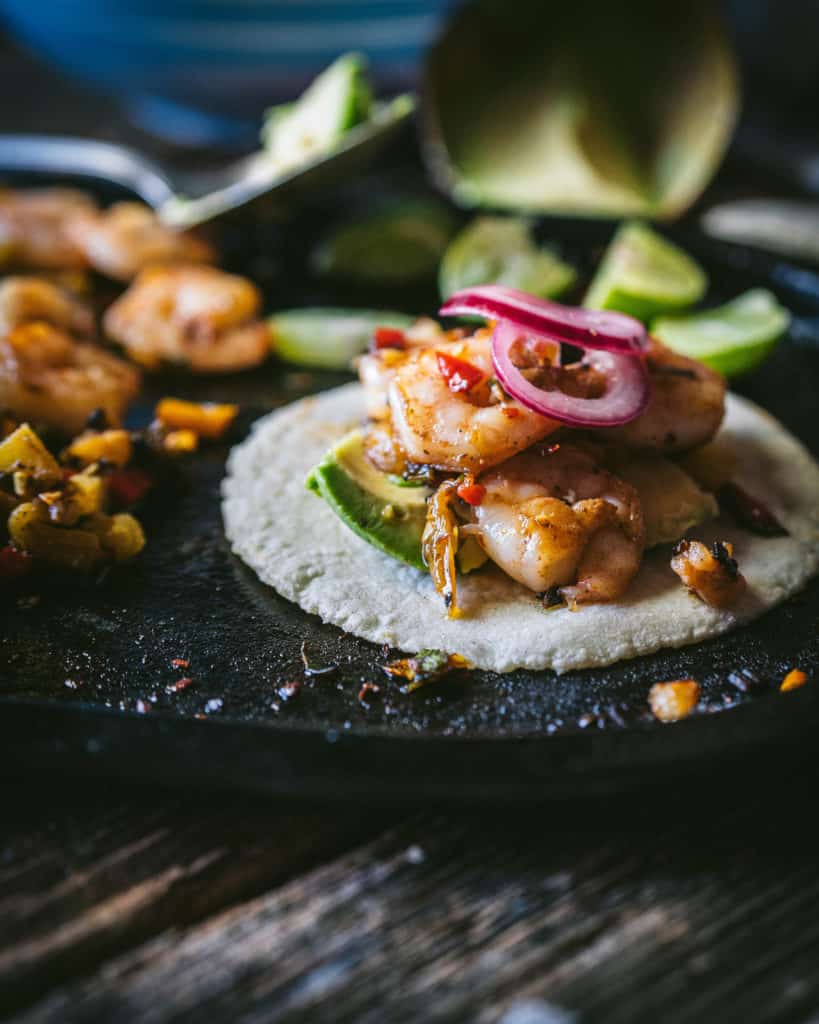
(488, 491)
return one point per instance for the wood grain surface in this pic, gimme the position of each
(153, 907)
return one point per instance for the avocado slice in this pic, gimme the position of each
(336, 101)
(384, 510)
(388, 515)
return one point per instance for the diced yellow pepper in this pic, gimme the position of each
(23, 451)
(178, 442)
(793, 680)
(83, 495)
(113, 446)
(206, 419)
(674, 700)
(123, 537)
(87, 491)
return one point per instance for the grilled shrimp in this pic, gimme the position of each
(46, 377)
(197, 316)
(686, 406)
(557, 519)
(35, 227)
(447, 413)
(129, 236)
(23, 299)
(710, 573)
(377, 369)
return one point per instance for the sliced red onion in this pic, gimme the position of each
(626, 395)
(586, 328)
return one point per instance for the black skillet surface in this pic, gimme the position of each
(86, 670)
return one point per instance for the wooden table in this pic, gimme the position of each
(153, 906)
(143, 905)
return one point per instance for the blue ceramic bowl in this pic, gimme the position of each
(204, 70)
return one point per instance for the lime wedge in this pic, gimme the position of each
(733, 338)
(336, 101)
(500, 250)
(328, 338)
(401, 243)
(645, 275)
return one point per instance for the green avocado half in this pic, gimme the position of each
(384, 510)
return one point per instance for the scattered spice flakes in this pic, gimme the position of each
(673, 700)
(367, 692)
(424, 668)
(287, 691)
(793, 680)
(746, 681)
(179, 685)
(311, 669)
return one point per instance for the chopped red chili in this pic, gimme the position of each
(128, 486)
(179, 685)
(367, 692)
(459, 374)
(470, 492)
(388, 337)
(180, 663)
(13, 563)
(287, 691)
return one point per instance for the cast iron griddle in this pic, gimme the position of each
(85, 669)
